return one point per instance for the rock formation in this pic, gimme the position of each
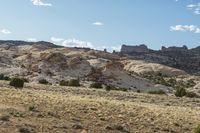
(130, 49)
(177, 57)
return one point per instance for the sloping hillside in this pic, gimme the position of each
(43, 60)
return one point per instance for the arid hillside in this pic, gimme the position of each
(81, 90)
(49, 109)
(36, 61)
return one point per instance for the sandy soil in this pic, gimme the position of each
(54, 109)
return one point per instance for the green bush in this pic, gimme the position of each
(96, 85)
(197, 129)
(17, 83)
(180, 92)
(159, 92)
(74, 82)
(43, 81)
(64, 83)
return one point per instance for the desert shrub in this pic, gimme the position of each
(17, 83)
(122, 89)
(172, 82)
(96, 85)
(190, 83)
(191, 95)
(138, 91)
(64, 83)
(180, 92)
(162, 81)
(6, 78)
(197, 129)
(1, 77)
(25, 80)
(43, 81)
(77, 126)
(160, 74)
(118, 127)
(74, 82)
(159, 92)
(17, 114)
(32, 108)
(24, 130)
(5, 118)
(108, 88)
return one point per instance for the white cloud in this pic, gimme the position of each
(197, 30)
(32, 40)
(190, 28)
(116, 48)
(195, 8)
(197, 12)
(55, 39)
(191, 6)
(5, 31)
(98, 23)
(76, 43)
(40, 3)
(82, 44)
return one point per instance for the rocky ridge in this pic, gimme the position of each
(177, 57)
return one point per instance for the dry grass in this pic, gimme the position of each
(53, 109)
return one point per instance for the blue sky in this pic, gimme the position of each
(102, 23)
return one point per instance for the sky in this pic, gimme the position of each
(102, 24)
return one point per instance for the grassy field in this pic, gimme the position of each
(54, 109)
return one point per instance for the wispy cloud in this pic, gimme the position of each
(197, 30)
(185, 28)
(116, 48)
(56, 39)
(98, 23)
(5, 31)
(40, 3)
(32, 40)
(71, 42)
(82, 44)
(77, 43)
(195, 8)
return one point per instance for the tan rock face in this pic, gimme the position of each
(142, 67)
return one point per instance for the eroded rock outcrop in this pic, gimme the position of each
(130, 49)
(177, 57)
